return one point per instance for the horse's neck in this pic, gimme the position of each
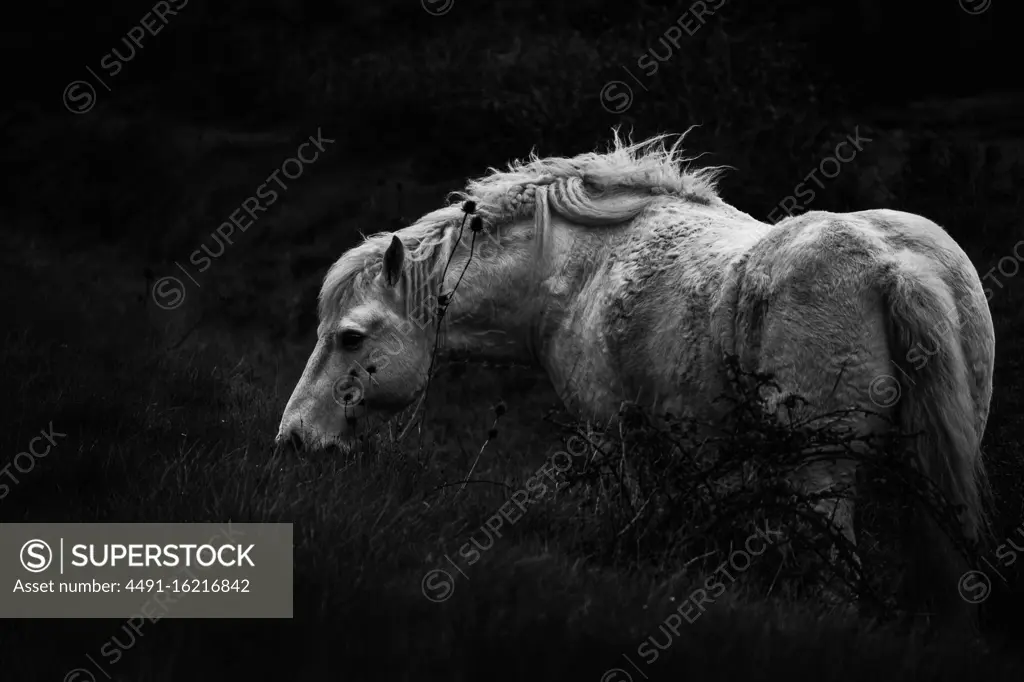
(517, 304)
(497, 305)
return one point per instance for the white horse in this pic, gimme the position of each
(624, 275)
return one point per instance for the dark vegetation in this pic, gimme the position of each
(170, 413)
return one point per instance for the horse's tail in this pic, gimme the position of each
(936, 404)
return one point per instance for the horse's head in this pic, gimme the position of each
(371, 360)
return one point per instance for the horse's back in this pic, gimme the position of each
(810, 303)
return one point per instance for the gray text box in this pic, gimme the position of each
(146, 570)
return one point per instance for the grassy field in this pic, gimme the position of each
(169, 414)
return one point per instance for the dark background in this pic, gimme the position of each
(170, 412)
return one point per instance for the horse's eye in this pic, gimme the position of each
(351, 340)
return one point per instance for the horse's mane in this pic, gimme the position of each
(589, 190)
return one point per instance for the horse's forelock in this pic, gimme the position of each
(357, 267)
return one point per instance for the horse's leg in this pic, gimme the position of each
(833, 481)
(832, 485)
(828, 477)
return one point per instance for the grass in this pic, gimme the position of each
(184, 435)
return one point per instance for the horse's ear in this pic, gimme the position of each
(394, 259)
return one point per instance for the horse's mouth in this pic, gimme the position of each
(336, 449)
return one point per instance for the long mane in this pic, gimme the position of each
(590, 189)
